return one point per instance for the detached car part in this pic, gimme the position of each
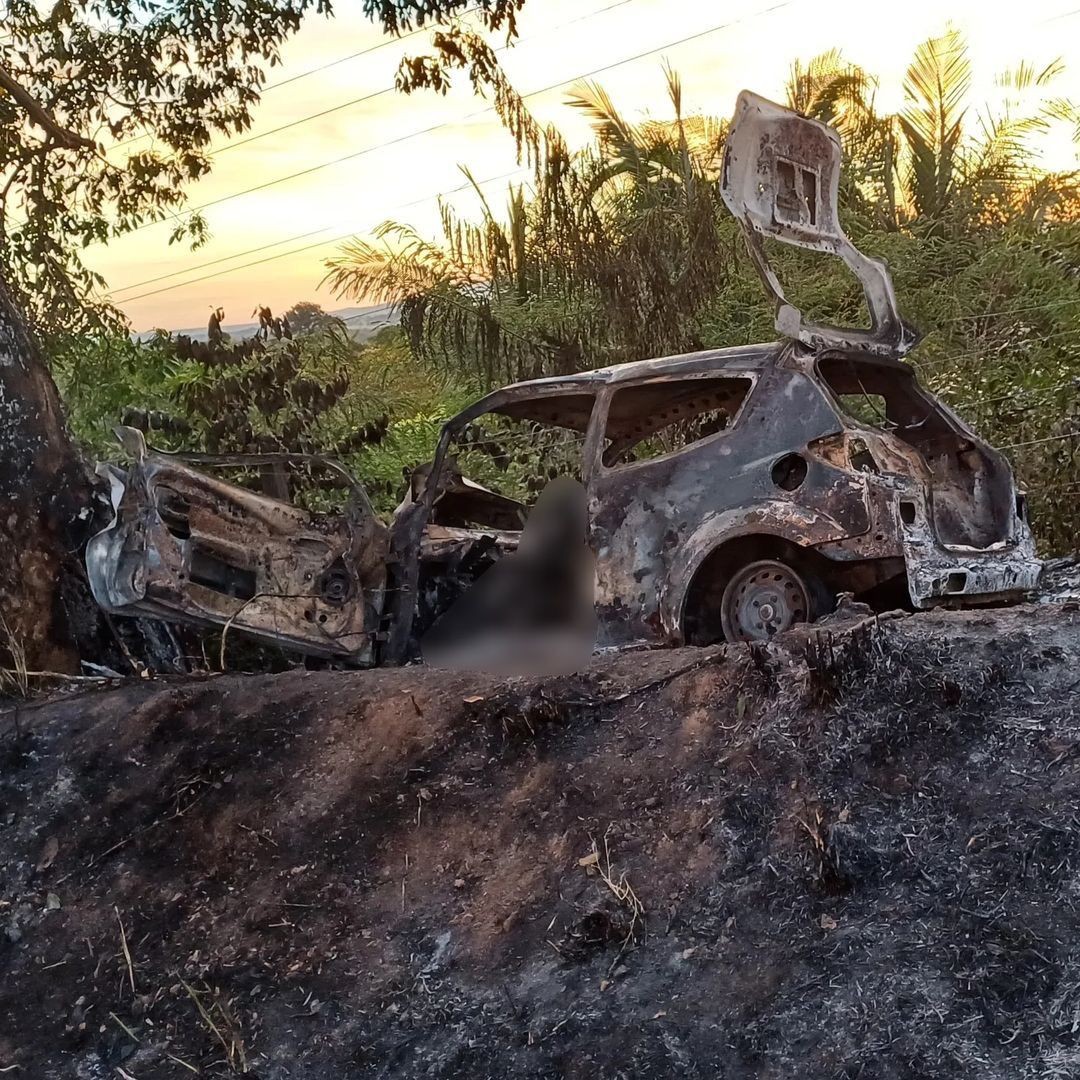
(780, 179)
(188, 547)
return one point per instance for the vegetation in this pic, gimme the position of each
(150, 83)
(616, 253)
(125, 97)
(623, 249)
(372, 406)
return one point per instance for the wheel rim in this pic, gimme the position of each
(763, 599)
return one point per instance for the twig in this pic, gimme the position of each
(45, 703)
(17, 675)
(139, 832)
(230, 1048)
(72, 678)
(663, 680)
(180, 1061)
(127, 953)
(131, 1034)
(42, 117)
(259, 836)
(623, 892)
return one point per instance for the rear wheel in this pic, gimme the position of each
(767, 597)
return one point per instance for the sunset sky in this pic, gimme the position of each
(408, 149)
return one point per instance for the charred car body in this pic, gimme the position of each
(731, 493)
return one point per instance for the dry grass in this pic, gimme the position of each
(221, 1023)
(126, 951)
(14, 679)
(618, 885)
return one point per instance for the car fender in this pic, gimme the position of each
(781, 518)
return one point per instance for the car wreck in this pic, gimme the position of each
(732, 493)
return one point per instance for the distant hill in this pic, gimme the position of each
(362, 323)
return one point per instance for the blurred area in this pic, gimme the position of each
(532, 612)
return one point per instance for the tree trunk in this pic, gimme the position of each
(46, 502)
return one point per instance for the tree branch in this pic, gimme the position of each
(42, 117)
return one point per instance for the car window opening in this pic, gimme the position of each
(501, 461)
(655, 419)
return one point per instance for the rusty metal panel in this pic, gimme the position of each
(780, 179)
(188, 547)
(655, 521)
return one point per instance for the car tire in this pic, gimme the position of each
(765, 597)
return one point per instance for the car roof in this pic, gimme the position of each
(706, 362)
(695, 363)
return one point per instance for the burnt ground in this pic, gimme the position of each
(854, 853)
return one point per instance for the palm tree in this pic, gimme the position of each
(608, 254)
(618, 250)
(929, 166)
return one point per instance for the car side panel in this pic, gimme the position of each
(652, 522)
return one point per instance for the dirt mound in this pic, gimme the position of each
(852, 853)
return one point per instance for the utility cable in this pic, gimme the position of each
(393, 89)
(471, 116)
(308, 247)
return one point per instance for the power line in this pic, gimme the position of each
(392, 89)
(472, 116)
(354, 56)
(224, 258)
(1013, 311)
(301, 236)
(533, 93)
(386, 42)
(1039, 442)
(1062, 15)
(1021, 393)
(305, 119)
(308, 247)
(941, 361)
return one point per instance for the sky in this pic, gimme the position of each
(268, 246)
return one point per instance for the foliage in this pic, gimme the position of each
(108, 109)
(305, 316)
(613, 254)
(320, 393)
(114, 73)
(937, 165)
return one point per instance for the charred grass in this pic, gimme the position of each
(844, 856)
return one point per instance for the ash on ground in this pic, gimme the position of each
(853, 852)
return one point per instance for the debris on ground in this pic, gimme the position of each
(852, 851)
(1060, 581)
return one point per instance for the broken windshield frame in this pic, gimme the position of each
(538, 403)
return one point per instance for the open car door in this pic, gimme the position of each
(780, 179)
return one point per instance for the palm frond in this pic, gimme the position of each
(616, 136)
(936, 88)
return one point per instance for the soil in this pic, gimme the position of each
(852, 853)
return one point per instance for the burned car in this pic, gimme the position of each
(731, 493)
